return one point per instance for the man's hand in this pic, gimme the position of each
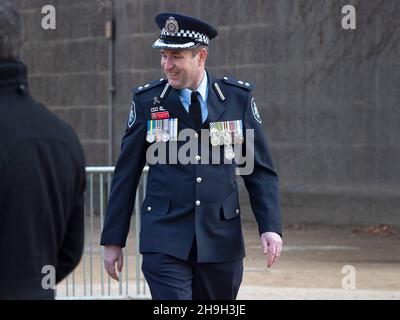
(272, 246)
(113, 254)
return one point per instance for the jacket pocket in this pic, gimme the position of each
(230, 206)
(155, 206)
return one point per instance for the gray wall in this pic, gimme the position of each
(68, 67)
(328, 96)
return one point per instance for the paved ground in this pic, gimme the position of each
(313, 260)
(310, 266)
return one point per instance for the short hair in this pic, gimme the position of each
(196, 49)
(10, 31)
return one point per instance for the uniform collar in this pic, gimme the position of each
(215, 107)
(201, 89)
(13, 75)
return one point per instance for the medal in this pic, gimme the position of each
(158, 131)
(214, 141)
(150, 137)
(226, 134)
(238, 139)
(238, 132)
(150, 133)
(173, 129)
(165, 135)
(214, 134)
(213, 128)
(229, 154)
(227, 138)
(220, 133)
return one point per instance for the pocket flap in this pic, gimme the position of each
(155, 206)
(231, 206)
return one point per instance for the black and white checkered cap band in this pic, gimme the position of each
(187, 34)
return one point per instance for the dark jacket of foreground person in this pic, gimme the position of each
(42, 182)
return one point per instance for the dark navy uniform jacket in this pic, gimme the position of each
(170, 217)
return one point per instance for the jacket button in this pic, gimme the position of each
(21, 88)
(237, 211)
(196, 135)
(198, 158)
(199, 179)
(148, 208)
(197, 202)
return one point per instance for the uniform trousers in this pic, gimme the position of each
(170, 278)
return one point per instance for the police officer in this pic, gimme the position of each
(191, 237)
(42, 181)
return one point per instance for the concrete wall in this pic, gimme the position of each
(328, 97)
(68, 67)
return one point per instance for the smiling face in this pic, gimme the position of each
(184, 68)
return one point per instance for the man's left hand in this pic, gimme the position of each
(272, 246)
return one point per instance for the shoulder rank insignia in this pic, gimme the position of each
(238, 83)
(150, 85)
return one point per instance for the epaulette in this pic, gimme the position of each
(238, 83)
(149, 86)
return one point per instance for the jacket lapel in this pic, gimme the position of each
(176, 109)
(215, 107)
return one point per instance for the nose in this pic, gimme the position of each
(168, 64)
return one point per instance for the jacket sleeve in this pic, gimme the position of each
(126, 178)
(71, 249)
(262, 182)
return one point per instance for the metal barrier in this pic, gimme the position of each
(88, 280)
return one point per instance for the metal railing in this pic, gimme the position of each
(89, 280)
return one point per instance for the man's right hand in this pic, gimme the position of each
(113, 254)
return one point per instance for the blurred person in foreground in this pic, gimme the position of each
(42, 181)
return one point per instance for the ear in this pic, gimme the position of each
(202, 56)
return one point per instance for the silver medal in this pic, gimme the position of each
(227, 138)
(238, 138)
(229, 154)
(214, 140)
(158, 136)
(165, 137)
(165, 132)
(221, 139)
(150, 137)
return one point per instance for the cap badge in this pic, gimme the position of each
(171, 26)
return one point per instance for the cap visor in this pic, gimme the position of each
(160, 44)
